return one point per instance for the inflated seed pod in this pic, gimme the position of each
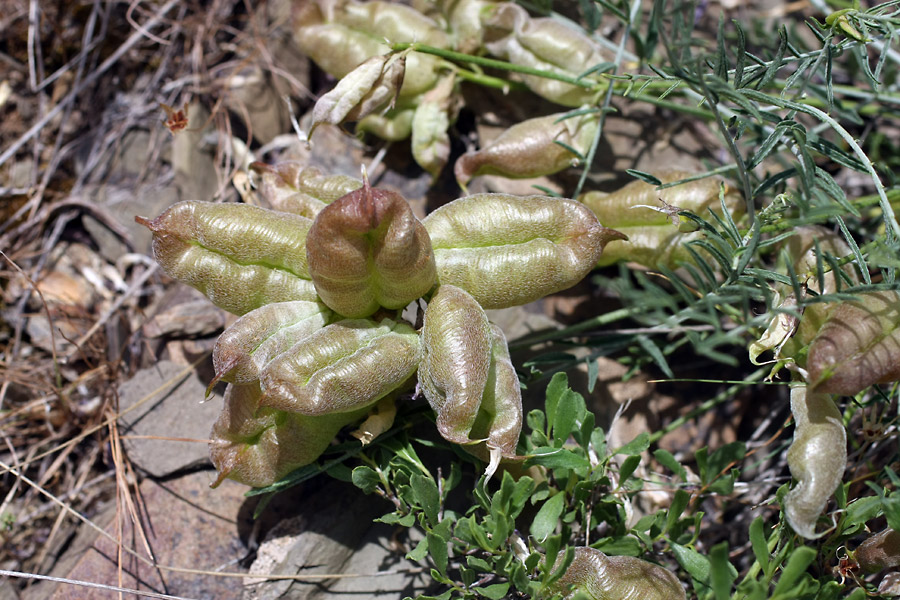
(857, 346)
(431, 121)
(258, 446)
(293, 188)
(499, 418)
(339, 36)
(531, 148)
(240, 256)
(816, 458)
(801, 248)
(546, 44)
(456, 363)
(465, 20)
(604, 577)
(343, 367)
(646, 216)
(368, 250)
(262, 334)
(372, 87)
(393, 126)
(509, 250)
(879, 552)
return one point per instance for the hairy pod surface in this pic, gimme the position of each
(879, 552)
(368, 250)
(293, 188)
(456, 363)
(343, 367)
(240, 256)
(509, 250)
(258, 446)
(499, 419)
(649, 217)
(543, 43)
(262, 334)
(604, 577)
(857, 346)
(816, 458)
(530, 148)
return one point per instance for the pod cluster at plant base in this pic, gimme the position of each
(321, 339)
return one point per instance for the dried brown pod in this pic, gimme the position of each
(368, 250)
(858, 345)
(603, 577)
(817, 458)
(240, 256)
(345, 366)
(509, 250)
(879, 552)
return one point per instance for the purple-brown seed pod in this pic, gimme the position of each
(368, 250)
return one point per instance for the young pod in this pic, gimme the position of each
(393, 126)
(367, 250)
(240, 256)
(431, 121)
(292, 188)
(601, 577)
(531, 148)
(343, 367)
(649, 217)
(857, 346)
(509, 250)
(372, 87)
(816, 458)
(262, 334)
(258, 446)
(546, 44)
(879, 552)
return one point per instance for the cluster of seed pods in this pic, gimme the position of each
(321, 339)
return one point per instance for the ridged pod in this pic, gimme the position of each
(509, 250)
(341, 35)
(530, 148)
(343, 367)
(258, 446)
(293, 188)
(431, 120)
(816, 458)
(262, 334)
(638, 211)
(857, 346)
(467, 376)
(879, 552)
(368, 250)
(604, 577)
(240, 256)
(546, 44)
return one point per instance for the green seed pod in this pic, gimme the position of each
(603, 577)
(393, 126)
(499, 419)
(345, 366)
(367, 250)
(879, 552)
(816, 458)
(857, 346)
(530, 148)
(258, 446)
(290, 187)
(262, 334)
(546, 44)
(339, 36)
(509, 250)
(240, 256)
(457, 343)
(465, 20)
(372, 87)
(649, 217)
(431, 120)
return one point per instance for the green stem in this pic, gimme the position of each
(557, 334)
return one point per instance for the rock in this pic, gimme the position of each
(170, 397)
(185, 313)
(187, 525)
